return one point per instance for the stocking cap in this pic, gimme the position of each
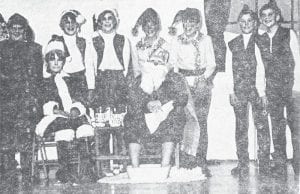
(56, 43)
(183, 15)
(247, 10)
(148, 15)
(97, 19)
(79, 18)
(2, 19)
(17, 19)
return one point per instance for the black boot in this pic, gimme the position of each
(201, 161)
(87, 171)
(242, 170)
(279, 170)
(63, 158)
(73, 165)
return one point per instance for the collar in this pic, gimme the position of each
(62, 73)
(247, 36)
(69, 38)
(271, 32)
(142, 44)
(105, 35)
(187, 40)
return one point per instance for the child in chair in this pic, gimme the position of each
(62, 115)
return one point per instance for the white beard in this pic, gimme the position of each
(153, 78)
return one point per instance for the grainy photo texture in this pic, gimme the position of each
(149, 96)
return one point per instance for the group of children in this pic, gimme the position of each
(170, 83)
(265, 70)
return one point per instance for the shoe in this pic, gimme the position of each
(241, 172)
(279, 171)
(235, 171)
(206, 172)
(108, 173)
(244, 173)
(58, 183)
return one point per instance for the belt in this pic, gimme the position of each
(196, 72)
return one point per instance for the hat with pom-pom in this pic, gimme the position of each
(79, 18)
(192, 14)
(149, 15)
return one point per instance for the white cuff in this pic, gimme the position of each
(85, 131)
(64, 135)
(49, 107)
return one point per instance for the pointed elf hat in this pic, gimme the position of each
(186, 14)
(148, 15)
(246, 10)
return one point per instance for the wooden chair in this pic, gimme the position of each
(40, 157)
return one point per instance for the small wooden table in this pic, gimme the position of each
(117, 153)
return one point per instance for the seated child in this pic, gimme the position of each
(62, 116)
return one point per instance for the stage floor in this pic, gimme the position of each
(221, 182)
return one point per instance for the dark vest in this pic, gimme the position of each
(81, 44)
(118, 42)
(279, 63)
(243, 64)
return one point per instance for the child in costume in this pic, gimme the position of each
(248, 87)
(157, 97)
(63, 115)
(280, 54)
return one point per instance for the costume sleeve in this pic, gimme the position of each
(80, 107)
(126, 56)
(260, 73)
(229, 71)
(35, 70)
(48, 108)
(294, 44)
(34, 78)
(90, 64)
(173, 58)
(209, 57)
(135, 62)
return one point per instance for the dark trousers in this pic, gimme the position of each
(110, 89)
(279, 97)
(241, 111)
(68, 153)
(201, 95)
(293, 120)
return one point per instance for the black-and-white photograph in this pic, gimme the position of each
(149, 96)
